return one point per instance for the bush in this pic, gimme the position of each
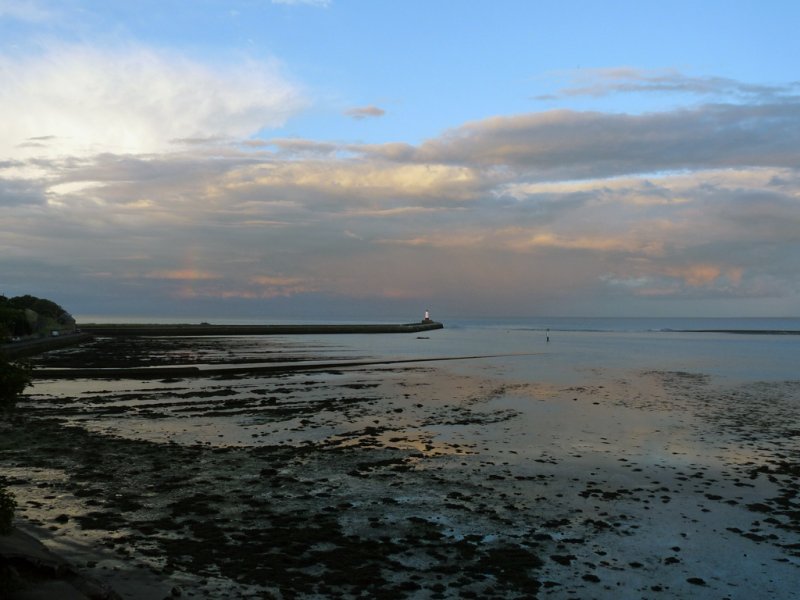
(7, 506)
(14, 378)
(13, 322)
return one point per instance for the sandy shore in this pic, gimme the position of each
(408, 480)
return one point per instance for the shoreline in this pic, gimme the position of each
(84, 333)
(31, 347)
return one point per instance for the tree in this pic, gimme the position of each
(16, 318)
(13, 322)
(42, 306)
(14, 378)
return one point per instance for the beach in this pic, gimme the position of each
(578, 465)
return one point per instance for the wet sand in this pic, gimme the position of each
(406, 480)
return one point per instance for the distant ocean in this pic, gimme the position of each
(569, 349)
(640, 324)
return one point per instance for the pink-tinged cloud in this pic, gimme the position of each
(182, 275)
(272, 281)
(365, 112)
(700, 275)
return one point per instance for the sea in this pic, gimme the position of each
(562, 349)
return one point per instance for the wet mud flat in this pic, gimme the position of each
(410, 482)
(136, 351)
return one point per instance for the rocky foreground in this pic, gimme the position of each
(406, 482)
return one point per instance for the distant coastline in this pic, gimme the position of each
(85, 332)
(743, 331)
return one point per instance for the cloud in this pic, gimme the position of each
(394, 151)
(720, 234)
(78, 100)
(603, 82)
(301, 147)
(704, 274)
(542, 210)
(15, 192)
(365, 112)
(182, 275)
(271, 286)
(271, 280)
(337, 185)
(563, 144)
(201, 141)
(528, 240)
(691, 280)
(258, 287)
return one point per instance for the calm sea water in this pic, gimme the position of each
(570, 350)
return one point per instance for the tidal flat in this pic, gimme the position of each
(412, 481)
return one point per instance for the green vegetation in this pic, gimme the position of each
(13, 321)
(19, 317)
(41, 306)
(14, 378)
(28, 315)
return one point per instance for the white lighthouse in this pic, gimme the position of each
(427, 318)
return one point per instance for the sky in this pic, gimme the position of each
(357, 158)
